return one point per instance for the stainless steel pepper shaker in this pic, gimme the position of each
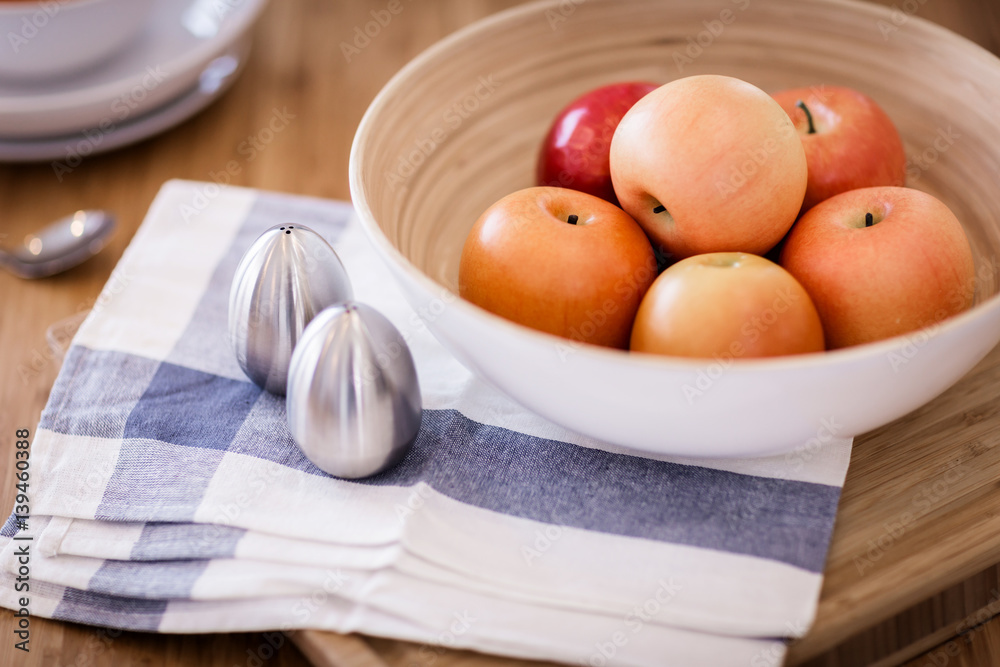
(287, 276)
(353, 399)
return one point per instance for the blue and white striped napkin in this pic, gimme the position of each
(168, 495)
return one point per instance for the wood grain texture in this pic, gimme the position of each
(917, 529)
(978, 647)
(297, 66)
(327, 649)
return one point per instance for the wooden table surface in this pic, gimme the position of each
(297, 67)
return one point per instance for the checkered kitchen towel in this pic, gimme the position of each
(167, 495)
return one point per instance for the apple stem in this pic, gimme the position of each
(869, 220)
(660, 209)
(572, 219)
(802, 105)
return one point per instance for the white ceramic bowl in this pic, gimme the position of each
(53, 38)
(460, 126)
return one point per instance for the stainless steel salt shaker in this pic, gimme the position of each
(353, 399)
(287, 276)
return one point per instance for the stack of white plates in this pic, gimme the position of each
(188, 55)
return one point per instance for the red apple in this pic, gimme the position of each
(559, 261)
(850, 142)
(575, 152)
(881, 262)
(726, 305)
(708, 164)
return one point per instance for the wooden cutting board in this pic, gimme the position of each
(915, 555)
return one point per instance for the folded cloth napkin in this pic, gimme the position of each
(167, 494)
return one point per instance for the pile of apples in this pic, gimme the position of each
(705, 217)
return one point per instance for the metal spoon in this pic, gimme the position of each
(60, 246)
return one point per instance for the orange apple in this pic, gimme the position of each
(881, 262)
(728, 305)
(560, 261)
(850, 142)
(709, 164)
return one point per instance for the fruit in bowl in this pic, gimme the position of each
(881, 262)
(559, 261)
(526, 260)
(756, 406)
(709, 164)
(576, 151)
(727, 305)
(849, 141)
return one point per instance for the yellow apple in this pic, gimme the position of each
(709, 164)
(728, 305)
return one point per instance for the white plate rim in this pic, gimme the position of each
(161, 119)
(245, 13)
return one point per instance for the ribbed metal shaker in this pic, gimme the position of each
(353, 397)
(287, 276)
